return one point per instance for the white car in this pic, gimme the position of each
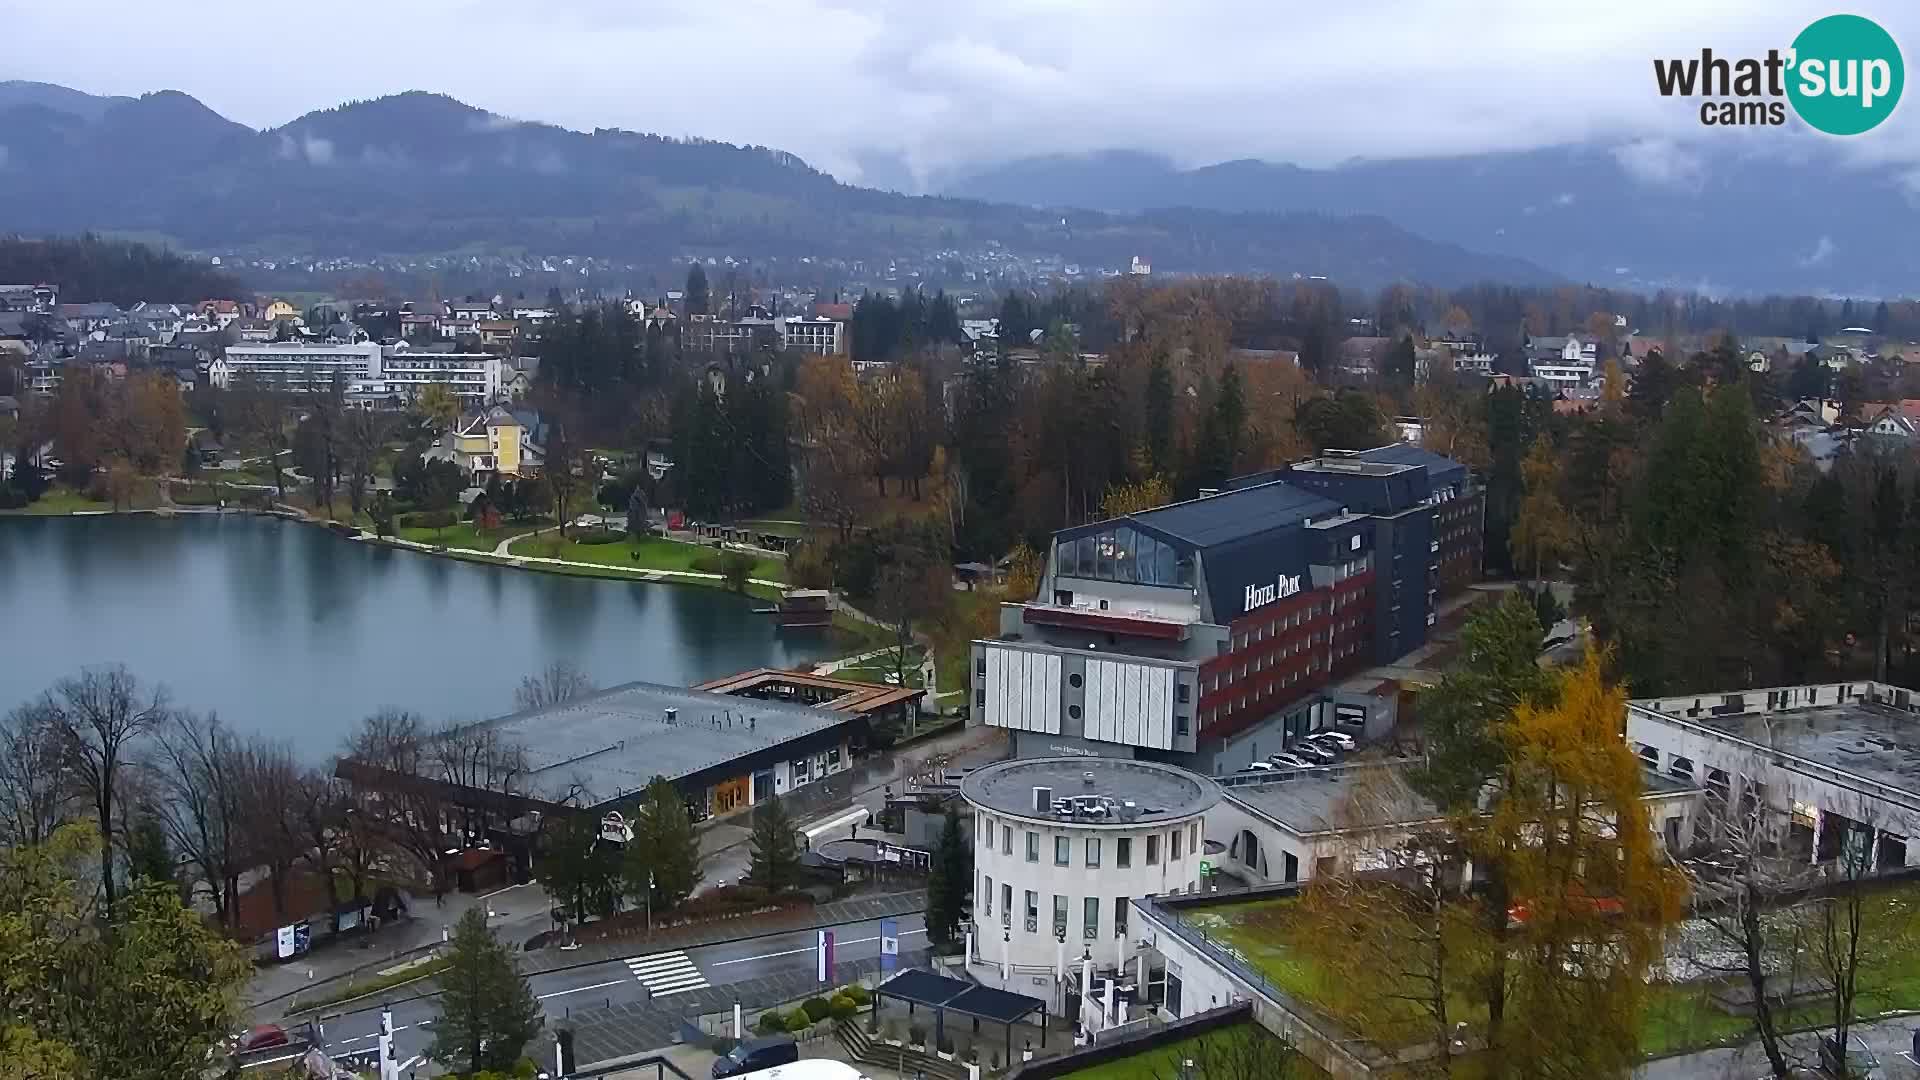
(1338, 738)
(1289, 761)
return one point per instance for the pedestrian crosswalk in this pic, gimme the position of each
(666, 973)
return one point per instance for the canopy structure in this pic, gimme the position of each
(943, 995)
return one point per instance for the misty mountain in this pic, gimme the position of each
(1784, 216)
(423, 173)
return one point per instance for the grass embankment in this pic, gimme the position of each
(653, 553)
(1165, 1060)
(877, 669)
(403, 973)
(465, 536)
(60, 499)
(1679, 1017)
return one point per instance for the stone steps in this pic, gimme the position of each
(871, 1051)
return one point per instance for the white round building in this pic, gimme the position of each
(1063, 844)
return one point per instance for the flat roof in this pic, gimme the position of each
(1352, 466)
(1236, 514)
(1865, 738)
(1159, 792)
(1329, 800)
(613, 743)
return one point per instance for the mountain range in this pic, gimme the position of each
(421, 173)
(1783, 213)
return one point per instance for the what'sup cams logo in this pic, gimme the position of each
(1843, 76)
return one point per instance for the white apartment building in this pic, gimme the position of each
(1063, 845)
(474, 378)
(365, 368)
(298, 366)
(820, 336)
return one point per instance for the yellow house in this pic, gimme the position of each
(499, 441)
(279, 309)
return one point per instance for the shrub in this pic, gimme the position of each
(816, 1008)
(857, 994)
(771, 1022)
(431, 519)
(842, 1008)
(799, 1021)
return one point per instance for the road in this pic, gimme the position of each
(659, 974)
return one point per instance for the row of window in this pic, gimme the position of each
(1124, 555)
(1258, 694)
(1275, 627)
(1089, 911)
(1094, 849)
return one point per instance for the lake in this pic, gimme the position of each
(291, 631)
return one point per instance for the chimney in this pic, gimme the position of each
(1042, 800)
(673, 716)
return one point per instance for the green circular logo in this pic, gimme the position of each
(1846, 75)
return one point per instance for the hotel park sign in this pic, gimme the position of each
(1260, 595)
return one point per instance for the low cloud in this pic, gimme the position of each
(318, 151)
(1565, 198)
(1821, 253)
(1662, 163)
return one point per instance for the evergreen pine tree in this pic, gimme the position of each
(148, 854)
(487, 1012)
(1160, 416)
(775, 860)
(696, 299)
(948, 884)
(665, 853)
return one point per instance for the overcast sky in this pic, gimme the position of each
(945, 85)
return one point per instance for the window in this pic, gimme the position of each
(1090, 918)
(1181, 692)
(1119, 916)
(1123, 852)
(1006, 839)
(1073, 711)
(1074, 680)
(980, 665)
(1193, 837)
(1153, 849)
(1093, 851)
(1033, 911)
(987, 894)
(1174, 854)
(1006, 905)
(1059, 915)
(1062, 848)
(1033, 846)
(800, 768)
(1181, 725)
(980, 698)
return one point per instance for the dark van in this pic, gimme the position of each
(753, 1055)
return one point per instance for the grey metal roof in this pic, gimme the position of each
(1235, 515)
(1321, 800)
(1442, 469)
(615, 742)
(1160, 792)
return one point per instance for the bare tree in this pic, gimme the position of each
(1743, 892)
(101, 715)
(319, 821)
(199, 769)
(36, 788)
(271, 782)
(556, 683)
(411, 781)
(1843, 944)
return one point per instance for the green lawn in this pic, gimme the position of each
(1165, 1061)
(1678, 1017)
(61, 500)
(652, 553)
(876, 669)
(464, 535)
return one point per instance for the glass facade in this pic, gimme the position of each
(1125, 555)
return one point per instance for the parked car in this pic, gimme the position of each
(754, 1055)
(1290, 761)
(260, 1037)
(1308, 750)
(1260, 766)
(1340, 739)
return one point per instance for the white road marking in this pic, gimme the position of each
(856, 815)
(375, 1035)
(667, 973)
(582, 989)
(797, 952)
